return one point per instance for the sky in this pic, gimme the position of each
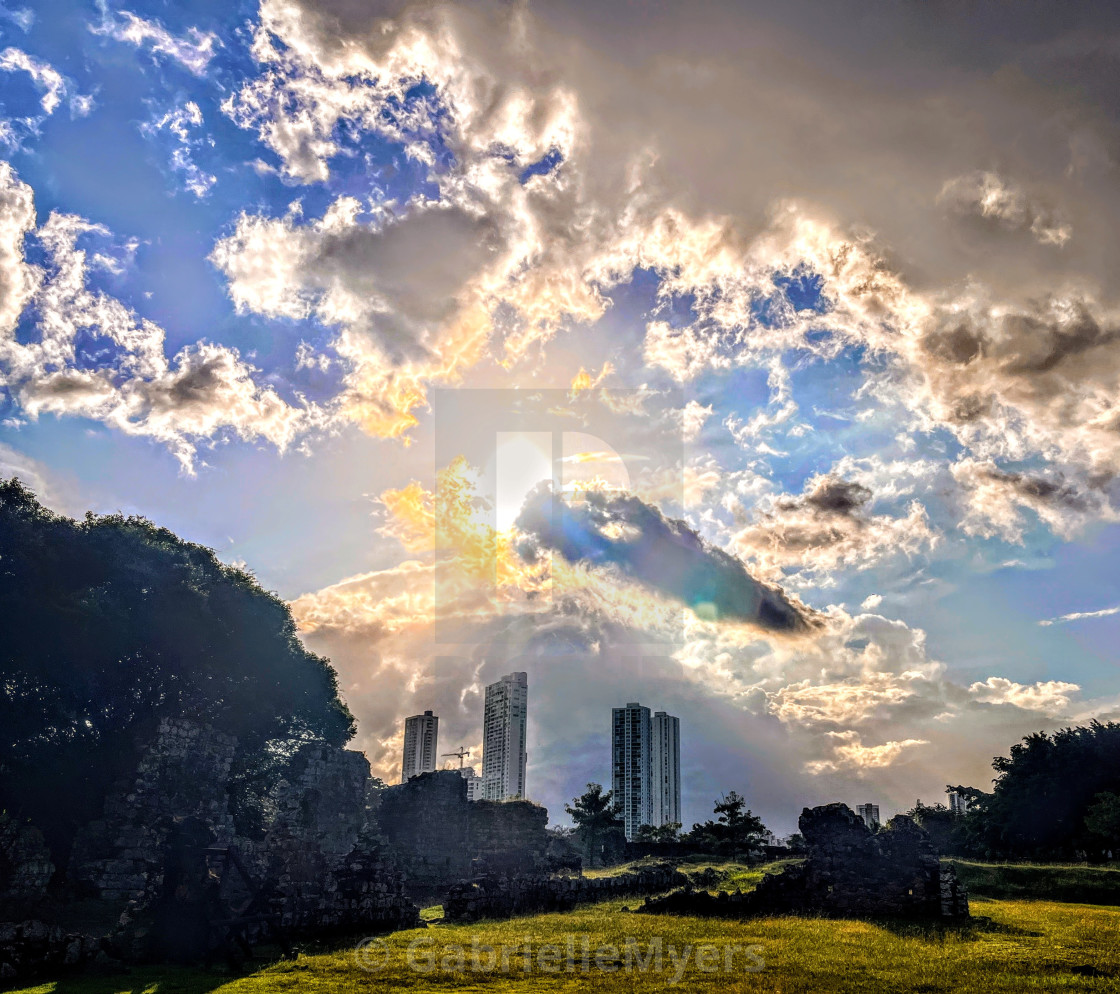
(757, 362)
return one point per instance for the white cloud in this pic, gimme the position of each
(1107, 612)
(193, 52)
(203, 392)
(1051, 696)
(43, 75)
(828, 528)
(179, 122)
(849, 753)
(987, 195)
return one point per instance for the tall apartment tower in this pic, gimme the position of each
(665, 769)
(503, 738)
(631, 766)
(870, 815)
(420, 749)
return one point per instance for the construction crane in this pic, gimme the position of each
(461, 753)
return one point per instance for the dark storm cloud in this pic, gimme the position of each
(623, 531)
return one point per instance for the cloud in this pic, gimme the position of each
(1080, 615)
(43, 75)
(1051, 696)
(127, 382)
(193, 51)
(22, 17)
(179, 123)
(827, 528)
(849, 753)
(987, 195)
(994, 500)
(603, 530)
(948, 282)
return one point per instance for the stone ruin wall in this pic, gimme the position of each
(441, 838)
(321, 863)
(850, 871)
(183, 773)
(505, 897)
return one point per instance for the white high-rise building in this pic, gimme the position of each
(630, 766)
(870, 815)
(474, 782)
(503, 738)
(421, 732)
(665, 769)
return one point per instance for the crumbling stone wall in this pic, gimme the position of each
(182, 774)
(322, 858)
(505, 897)
(508, 837)
(426, 823)
(850, 871)
(31, 947)
(25, 860)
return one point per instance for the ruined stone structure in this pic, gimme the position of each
(166, 842)
(182, 774)
(441, 838)
(504, 897)
(850, 871)
(25, 860)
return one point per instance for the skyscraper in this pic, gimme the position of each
(665, 769)
(474, 782)
(503, 738)
(630, 766)
(420, 749)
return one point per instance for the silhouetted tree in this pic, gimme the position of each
(735, 829)
(938, 821)
(597, 819)
(1103, 819)
(111, 623)
(670, 832)
(1043, 794)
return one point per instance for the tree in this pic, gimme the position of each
(112, 623)
(1042, 795)
(670, 832)
(1102, 818)
(597, 817)
(735, 828)
(938, 821)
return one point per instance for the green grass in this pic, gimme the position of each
(1055, 882)
(1026, 946)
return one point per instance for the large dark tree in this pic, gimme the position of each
(109, 624)
(597, 818)
(1044, 791)
(736, 828)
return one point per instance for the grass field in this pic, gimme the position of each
(1015, 944)
(1025, 946)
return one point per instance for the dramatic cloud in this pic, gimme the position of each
(603, 530)
(128, 381)
(997, 331)
(826, 529)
